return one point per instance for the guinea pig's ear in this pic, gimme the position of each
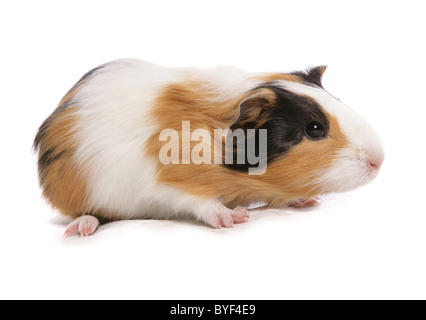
(315, 74)
(254, 110)
(312, 75)
(249, 147)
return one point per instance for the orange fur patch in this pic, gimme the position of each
(189, 102)
(271, 77)
(287, 178)
(62, 180)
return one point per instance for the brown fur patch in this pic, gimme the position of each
(189, 102)
(287, 178)
(271, 77)
(63, 181)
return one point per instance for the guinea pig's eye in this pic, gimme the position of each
(315, 130)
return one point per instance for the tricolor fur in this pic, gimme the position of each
(98, 151)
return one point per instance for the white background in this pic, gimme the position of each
(369, 243)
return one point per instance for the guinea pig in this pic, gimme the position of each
(136, 140)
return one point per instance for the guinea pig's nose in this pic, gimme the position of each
(374, 162)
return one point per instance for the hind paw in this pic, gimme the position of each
(305, 203)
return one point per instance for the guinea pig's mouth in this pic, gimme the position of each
(369, 170)
(350, 172)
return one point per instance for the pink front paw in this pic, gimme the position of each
(227, 218)
(85, 225)
(305, 203)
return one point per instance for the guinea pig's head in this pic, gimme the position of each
(315, 143)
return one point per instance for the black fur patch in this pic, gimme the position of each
(285, 124)
(49, 156)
